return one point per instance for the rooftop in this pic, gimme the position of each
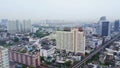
(2, 48)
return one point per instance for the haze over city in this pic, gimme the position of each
(59, 34)
(84, 10)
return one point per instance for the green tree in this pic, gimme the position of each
(68, 63)
(41, 34)
(31, 66)
(42, 58)
(24, 66)
(108, 63)
(16, 39)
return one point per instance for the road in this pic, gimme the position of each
(96, 51)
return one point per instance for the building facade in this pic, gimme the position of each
(105, 28)
(73, 40)
(4, 22)
(12, 27)
(116, 25)
(4, 60)
(19, 26)
(29, 60)
(26, 26)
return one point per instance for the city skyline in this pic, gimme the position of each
(83, 10)
(59, 34)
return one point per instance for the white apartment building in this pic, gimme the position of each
(4, 60)
(26, 26)
(73, 40)
(13, 26)
(19, 26)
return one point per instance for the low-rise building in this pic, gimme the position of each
(26, 59)
(47, 51)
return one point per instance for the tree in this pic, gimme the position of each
(31, 66)
(42, 58)
(41, 34)
(53, 61)
(68, 63)
(16, 39)
(108, 63)
(24, 66)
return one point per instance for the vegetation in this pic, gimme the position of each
(7, 45)
(31, 67)
(23, 51)
(108, 63)
(42, 58)
(48, 63)
(41, 34)
(16, 39)
(68, 63)
(24, 66)
(94, 58)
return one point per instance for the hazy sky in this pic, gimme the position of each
(60, 9)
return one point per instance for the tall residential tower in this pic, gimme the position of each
(73, 40)
(19, 26)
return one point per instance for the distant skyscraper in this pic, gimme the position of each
(99, 25)
(4, 22)
(73, 40)
(4, 59)
(26, 26)
(103, 18)
(13, 26)
(116, 25)
(19, 27)
(105, 28)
